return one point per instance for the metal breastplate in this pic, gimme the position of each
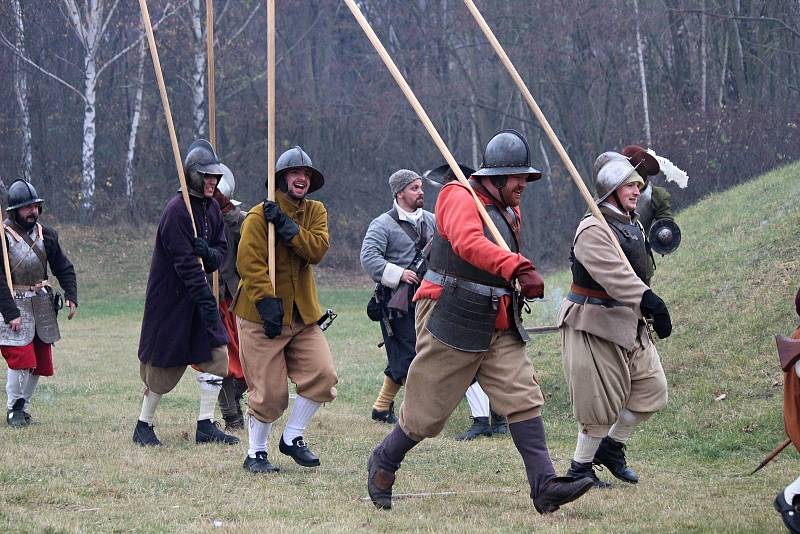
(445, 261)
(26, 267)
(632, 242)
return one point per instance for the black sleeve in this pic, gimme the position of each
(62, 268)
(7, 305)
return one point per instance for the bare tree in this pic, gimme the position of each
(21, 91)
(642, 75)
(136, 113)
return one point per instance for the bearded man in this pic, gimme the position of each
(29, 307)
(469, 327)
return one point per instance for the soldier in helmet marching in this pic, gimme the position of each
(468, 326)
(29, 308)
(279, 337)
(182, 325)
(611, 364)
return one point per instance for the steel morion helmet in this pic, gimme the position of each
(296, 158)
(443, 174)
(201, 159)
(21, 194)
(507, 153)
(612, 170)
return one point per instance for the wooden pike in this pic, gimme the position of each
(212, 107)
(271, 133)
(771, 456)
(423, 117)
(6, 264)
(573, 172)
(426, 494)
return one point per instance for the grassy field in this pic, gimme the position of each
(729, 287)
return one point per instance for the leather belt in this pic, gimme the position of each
(481, 289)
(584, 299)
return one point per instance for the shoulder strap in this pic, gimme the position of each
(32, 244)
(408, 228)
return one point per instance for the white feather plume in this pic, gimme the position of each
(670, 170)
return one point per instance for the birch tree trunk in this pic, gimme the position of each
(642, 75)
(134, 129)
(21, 92)
(89, 133)
(199, 73)
(703, 59)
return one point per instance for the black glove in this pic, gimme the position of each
(207, 306)
(285, 228)
(271, 311)
(211, 256)
(653, 307)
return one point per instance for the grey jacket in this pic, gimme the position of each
(233, 233)
(387, 249)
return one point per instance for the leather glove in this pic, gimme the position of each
(653, 307)
(271, 311)
(224, 204)
(530, 281)
(211, 257)
(285, 228)
(207, 306)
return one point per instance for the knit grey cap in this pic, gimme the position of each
(400, 179)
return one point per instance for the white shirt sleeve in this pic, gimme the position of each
(797, 367)
(391, 275)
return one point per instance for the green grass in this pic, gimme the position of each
(729, 288)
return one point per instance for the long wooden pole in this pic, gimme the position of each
(162, 89)
(573, 172)
(423, 117)
(771, 456)
(6, 264)
(212, 107)
(271, 131)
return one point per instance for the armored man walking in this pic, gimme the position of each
(182, 325)
(29, 309)
(468, 326)
(611, 364)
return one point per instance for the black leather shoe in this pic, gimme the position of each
(387, 416)
(586, 470)
(15, 416)
(790, 513)
(560, 490)
(611, 454)
(144, 435)
(208, 432)
(480, 427)
(299, 452)
(259, 464)
(379, 484)
(499, 424)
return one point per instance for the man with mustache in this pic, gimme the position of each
(611, 364)
(394, 242)
(182, 325)
(29, 307)
(279, 337)
(468, 326)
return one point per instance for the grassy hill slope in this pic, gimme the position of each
(729, 287)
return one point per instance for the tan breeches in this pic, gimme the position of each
(300, 353)
(603, 378)
(162, 380)
(440, 375)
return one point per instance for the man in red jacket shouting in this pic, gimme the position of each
(468, 326)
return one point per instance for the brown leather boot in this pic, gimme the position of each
(379, 483)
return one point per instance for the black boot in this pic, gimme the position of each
(480, 427)
(386, 416)
(16, 416)
(144, 435)
(299, 452)
(383, 463)
(230, 397)
(208, 432)
(790, 513)
(547, 491)
(586, 470)
(259, 464)
(611, 454)
(499, 423)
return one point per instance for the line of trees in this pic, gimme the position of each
(711, 84)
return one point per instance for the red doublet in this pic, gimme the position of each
(36, 355)
(229, 321)
(458, 221)
(791, 402)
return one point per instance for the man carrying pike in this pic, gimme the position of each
(611, 364)
(182, 325)
(468, 326)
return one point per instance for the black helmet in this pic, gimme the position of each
(443, 173)
(21, 194)
(296, 158)
(200, 159)
(507, 153)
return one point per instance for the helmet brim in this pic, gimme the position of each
(439, 173)
(533, 174)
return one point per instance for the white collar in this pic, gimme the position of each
(412, 217)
